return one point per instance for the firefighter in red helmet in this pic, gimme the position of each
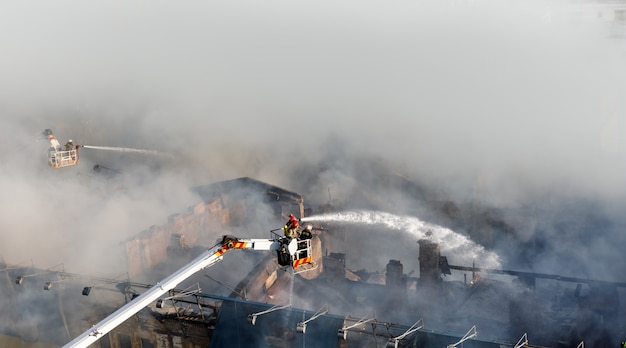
(291, 228)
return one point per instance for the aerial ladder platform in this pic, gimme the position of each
(61, 156)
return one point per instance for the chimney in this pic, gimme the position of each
(430, 294)
(394, 276)
(396, 285)
(429, 255)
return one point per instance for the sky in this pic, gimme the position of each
(515, 105)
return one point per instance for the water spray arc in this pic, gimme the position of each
(122, 149)
(459, 247)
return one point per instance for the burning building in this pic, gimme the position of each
(250, 300)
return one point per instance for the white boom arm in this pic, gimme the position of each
(207, 259)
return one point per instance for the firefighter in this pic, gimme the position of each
(69, 146)
(306, 232)
(291, 228)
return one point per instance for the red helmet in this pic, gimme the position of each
(293, 221)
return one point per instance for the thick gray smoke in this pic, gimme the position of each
(515, 106)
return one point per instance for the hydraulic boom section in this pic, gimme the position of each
(290, 251)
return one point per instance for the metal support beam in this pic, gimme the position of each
(522, 342)
(393, 342)
(470, 334)
(252, 317)
(301, 327)
(343, 332)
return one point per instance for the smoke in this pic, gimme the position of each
(476, 94)
(512, 112)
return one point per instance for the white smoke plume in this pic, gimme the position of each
(516, 106)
